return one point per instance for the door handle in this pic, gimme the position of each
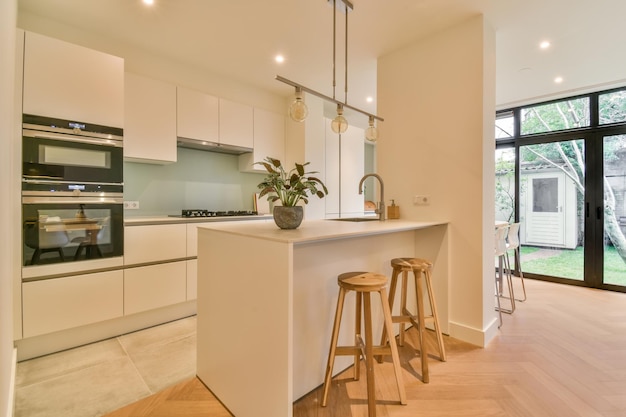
(587, 210)
(598, 212)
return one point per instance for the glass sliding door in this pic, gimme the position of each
(561, 173)
(614, 236)
(551, 209)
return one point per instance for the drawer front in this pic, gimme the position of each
(154, 286)
(154, 243)
(62, 303)
(192, 279)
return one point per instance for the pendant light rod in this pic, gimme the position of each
(334, 45)
(325, 97)
(345, 96)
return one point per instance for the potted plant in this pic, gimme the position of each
(290, 188)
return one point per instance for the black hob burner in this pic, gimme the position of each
(208, 213)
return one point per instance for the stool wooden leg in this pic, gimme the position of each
(369, 358)
(394, 348)
(392, 294)
(333, 345)
(357, 335)
(421, 328)
(433, 309)
(403, 297)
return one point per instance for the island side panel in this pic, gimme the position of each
(432, 243)
(316, 266)
(244, 322)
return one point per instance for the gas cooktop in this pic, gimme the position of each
(208, 213)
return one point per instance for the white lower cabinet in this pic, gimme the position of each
(192, 279)
(154, 286)
(62, 303)
(154, 243)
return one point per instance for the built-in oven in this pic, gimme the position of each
(64, 151)
(72, 197)
(63, 228)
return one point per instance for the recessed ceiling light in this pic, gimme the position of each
(279, 58)
(148, 2)
(369, 99)
(558, 80)
(544, 45)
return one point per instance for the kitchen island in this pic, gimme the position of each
(267, 297)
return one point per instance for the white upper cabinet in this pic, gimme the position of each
(197, 115)
(236, 124)
(344, 170)
(269, 140)
(150, 125)
(67, 81)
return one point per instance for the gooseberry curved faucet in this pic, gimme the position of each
(380, 208)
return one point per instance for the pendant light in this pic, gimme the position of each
(339, 123)
(371, 133)
(298, 110)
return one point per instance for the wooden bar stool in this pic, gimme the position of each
(421, 268)
(363, 283)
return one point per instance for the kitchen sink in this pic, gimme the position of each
(356, 219)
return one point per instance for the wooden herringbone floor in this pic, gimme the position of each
(561, 354)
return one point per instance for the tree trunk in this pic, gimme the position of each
(611, 225)
(612, 229)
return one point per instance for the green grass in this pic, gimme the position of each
(570, 264)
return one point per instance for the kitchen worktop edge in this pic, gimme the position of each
(319, 230)
(155, 220)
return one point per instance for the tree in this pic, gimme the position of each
(505, 187)
(569, 156)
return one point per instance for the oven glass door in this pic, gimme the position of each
(66, 160)
(69, 232)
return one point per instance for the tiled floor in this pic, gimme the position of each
(95, 379)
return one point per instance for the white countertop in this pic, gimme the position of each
(315, 230)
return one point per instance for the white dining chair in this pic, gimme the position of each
(513, 244)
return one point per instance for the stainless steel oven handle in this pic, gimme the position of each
(72, 200)
(78, 139)
(39, 179)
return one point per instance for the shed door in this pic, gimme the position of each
(545, 223)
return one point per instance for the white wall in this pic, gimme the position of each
(437, 140)
(8, 10)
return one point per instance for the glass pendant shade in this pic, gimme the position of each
(339, 123)
(371, 133)
(298, 111)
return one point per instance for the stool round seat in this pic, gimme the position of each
(363, 284)
(410, 264)
(362, 281)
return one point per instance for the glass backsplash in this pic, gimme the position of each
(198, 180)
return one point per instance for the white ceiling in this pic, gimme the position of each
(239, 38)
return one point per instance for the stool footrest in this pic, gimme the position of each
(352, 350)
(409, 319)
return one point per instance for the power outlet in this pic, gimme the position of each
(131, 205)
(421, 200)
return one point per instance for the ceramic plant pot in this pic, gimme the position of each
(288, 217)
